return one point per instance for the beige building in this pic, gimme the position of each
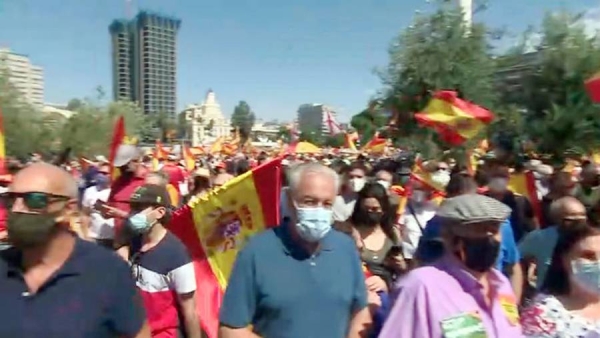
(206, 122)
(27, 78)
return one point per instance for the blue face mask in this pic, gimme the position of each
(313, 223)
(139, 223)
(102, 180)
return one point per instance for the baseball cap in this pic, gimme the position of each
(151, 194)
(125, 153)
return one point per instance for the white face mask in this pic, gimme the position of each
(357, 184)
(441, 178)
(498, 184)
(586, 274)
(385, 184)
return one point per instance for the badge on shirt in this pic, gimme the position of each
(467, 325)
(509, 306)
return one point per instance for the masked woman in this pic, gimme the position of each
(569, 305)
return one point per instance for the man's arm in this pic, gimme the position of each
(511, 262)
(126, 312)
(187, 304)
(239, 301)
(361, 320)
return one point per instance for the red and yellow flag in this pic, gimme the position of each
(454, 119)
(349, 140)
(159, 153)
(523, 183)
(375, 145)
(117, 139)
(188, 158)
(215, 227)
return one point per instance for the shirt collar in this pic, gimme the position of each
(74, 264)
(451, 265)
(290, 245)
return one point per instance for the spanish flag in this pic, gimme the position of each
(375, 145)
(349, 141)
(215, 227)
(159, 154)
(117, 139)
(592, 85)
(523, 183)
(188, 158)
(454, 119)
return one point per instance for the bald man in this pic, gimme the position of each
(537, 246)
(52, 277)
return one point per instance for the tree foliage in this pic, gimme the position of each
(436, 52)
(243, 118)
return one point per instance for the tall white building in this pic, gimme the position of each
(311, 117)
(27, 78)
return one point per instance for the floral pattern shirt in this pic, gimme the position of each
(546, 317)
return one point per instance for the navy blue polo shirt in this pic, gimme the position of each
(92, 295)
(283, 291)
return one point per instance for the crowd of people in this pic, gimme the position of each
(87, 253)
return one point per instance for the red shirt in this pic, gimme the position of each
(120, 193)
(176, 175)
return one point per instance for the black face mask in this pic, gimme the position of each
(373, 218)
(30, 230)
(480, 254)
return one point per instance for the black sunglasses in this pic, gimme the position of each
(33, 200)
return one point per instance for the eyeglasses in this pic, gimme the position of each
(34, 200)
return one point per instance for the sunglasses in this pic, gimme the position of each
(35, 201)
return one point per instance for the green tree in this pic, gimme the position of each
(243, 118)
(284, 133)
(311, 135)
(25, 130)
(334, 141)
(560, 118)
(74, 104)
(369, 121)
(435, 52)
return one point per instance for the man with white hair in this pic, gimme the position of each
(288, 277)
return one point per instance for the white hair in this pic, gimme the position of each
(298, 172)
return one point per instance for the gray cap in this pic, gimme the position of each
(473, 208)
(125, 153)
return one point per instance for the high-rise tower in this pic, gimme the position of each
(145, 61)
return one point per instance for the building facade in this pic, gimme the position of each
(311, 117)
(206, 121)
(144, 55)
(26, 78)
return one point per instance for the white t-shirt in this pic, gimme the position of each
(100, 228)
(409, 226)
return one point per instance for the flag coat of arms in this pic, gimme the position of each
(215, 227)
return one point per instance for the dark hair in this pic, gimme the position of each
(360, 165)
(460, 184)
(241, 167)
(377, 191)
(339, 166)
(557, 278)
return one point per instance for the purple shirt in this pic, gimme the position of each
(432, 297)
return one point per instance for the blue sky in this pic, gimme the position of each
(274, 54)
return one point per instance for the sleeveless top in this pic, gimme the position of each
(374, 261)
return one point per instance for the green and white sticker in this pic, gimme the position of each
(467, 325)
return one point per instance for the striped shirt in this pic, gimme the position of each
(162, 273)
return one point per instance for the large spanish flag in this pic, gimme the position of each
(454, 119)
(592, 85)
(216, 227)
